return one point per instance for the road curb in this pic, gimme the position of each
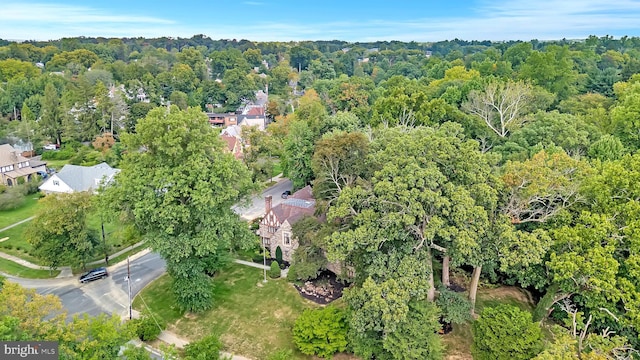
(135, 256)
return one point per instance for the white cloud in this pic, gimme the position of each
(52, 21)
(489, 20)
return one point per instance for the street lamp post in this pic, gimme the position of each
(264, 261)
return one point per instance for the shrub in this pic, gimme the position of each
(505, 332)
(131, 352)
(274, 272)
(147, 329)
(455, 306)
(279, 255)
(291, 274)
(11, 199)
(285, 354)
(206, 349)
(321, 332)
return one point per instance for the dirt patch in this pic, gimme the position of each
(323, 289)
(509, 292)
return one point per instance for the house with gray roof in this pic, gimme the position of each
(75, 178)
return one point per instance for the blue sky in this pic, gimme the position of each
(350, 20)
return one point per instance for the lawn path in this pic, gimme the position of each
(18, 223)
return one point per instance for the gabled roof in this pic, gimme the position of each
(83, 178)
(255, 111)
(10, 156)
(299, 204)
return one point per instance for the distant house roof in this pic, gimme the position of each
(299, 204)
(10, 156)
(233, 145)
(86, 178)
(255, 111)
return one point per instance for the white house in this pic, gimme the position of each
(74, 178)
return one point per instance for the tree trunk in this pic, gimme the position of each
(545, 305)
(431, 294)
(473, 287)
(445, 271)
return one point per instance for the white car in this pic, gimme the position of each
(50, 147)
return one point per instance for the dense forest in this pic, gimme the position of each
(510, 163)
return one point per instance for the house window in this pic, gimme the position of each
(56, 183)
(272, 229)
(286, 238)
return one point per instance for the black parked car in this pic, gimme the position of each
(95, 274)
(285, 194)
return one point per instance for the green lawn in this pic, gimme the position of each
(28, 209)
(56, 164)
(252, 318)
(17, 244)
(11, 268)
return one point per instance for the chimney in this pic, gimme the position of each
(267, 203)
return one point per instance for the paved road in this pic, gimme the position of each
(256, 207)
(110, 295)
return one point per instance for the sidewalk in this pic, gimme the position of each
(252, 264)
(65, 271)
(115, 255)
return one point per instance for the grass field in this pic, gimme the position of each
(17, 244)
(252, 318)
(56, 164)
(11, 268)
(9, 217)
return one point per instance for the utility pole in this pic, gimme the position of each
(129, 281)
(104, 242)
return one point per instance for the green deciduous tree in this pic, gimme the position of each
(553, 69)
(59, 234)
(178, 185)
(321, 332)
(338, 163)
(540, 187)
(308, 259)
(504, 333)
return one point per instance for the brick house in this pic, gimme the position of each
(275, 227)
(222, 119)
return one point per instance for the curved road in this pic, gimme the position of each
(110, 295)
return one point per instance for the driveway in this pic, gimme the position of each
(255, 207)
